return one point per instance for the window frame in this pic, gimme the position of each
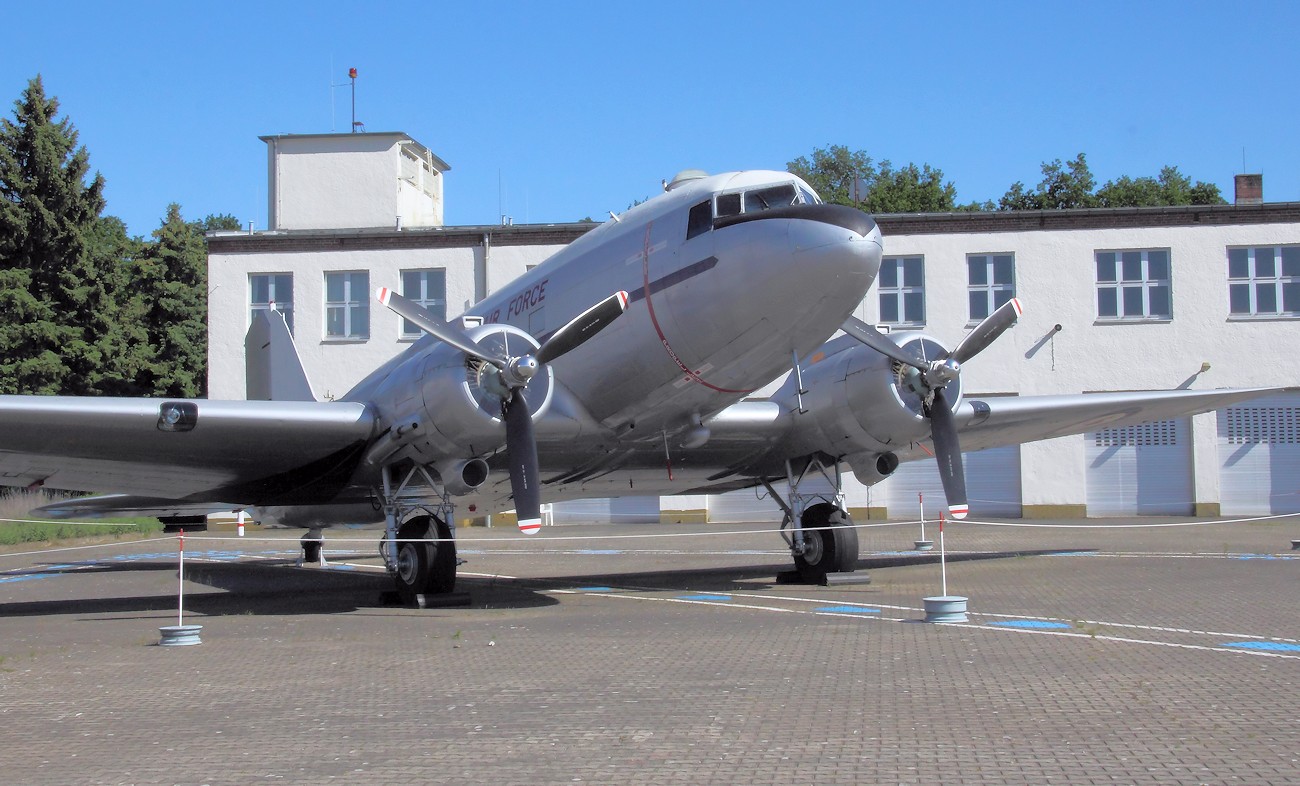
(432, 304)
(1278, 282)
(351, 304)
(990, 289)
(900, 291)
(283, 306)
(1120, 287)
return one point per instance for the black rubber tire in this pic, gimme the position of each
(833, 550)
(424, 567)
(311, 550)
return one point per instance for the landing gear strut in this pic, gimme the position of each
(816, 525)
(420, 552)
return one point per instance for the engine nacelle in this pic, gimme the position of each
(862, 402)
(446, 408)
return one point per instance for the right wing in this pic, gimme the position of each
(183, 450)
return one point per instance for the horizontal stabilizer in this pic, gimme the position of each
(274, 370)
(128, 506)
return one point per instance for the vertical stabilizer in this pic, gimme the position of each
(274, 371)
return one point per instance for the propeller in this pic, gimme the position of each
(929, 380)
(512, 375)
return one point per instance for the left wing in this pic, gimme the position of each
(183, 450)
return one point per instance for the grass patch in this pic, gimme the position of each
(18, 525)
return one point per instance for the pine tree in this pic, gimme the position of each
(171, 283)
(59, 279)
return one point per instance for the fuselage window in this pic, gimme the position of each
(700, 220)
(768, 198)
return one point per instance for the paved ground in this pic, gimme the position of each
(1171, 654)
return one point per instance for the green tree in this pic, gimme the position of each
(171, 288)
(220, 222)
(1171, 187)
(1063, 186)
(910, 190)
(54, 339)
(835, 173)
(832, 172)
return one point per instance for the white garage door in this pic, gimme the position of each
(1259, 455)
(1142, 470)
(618, 510)
(992, 485)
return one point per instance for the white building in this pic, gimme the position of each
(1124, 299)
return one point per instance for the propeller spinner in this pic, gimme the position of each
(512, 375)
(929, 381)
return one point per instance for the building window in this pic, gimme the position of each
(991, 281)
(1133, 285)
(429, 289)
(347, 305)
(902, 291)
(1264, 281)
(267, 288)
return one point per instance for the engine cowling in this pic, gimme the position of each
(448, 407)
(865, 404)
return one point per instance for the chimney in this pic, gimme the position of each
(1250, 190)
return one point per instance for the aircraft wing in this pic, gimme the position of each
(995, 422)
(182, 451)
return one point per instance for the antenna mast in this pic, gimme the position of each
(352, 75)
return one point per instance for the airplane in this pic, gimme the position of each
(626, 364)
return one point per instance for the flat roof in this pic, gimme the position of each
(400, 135)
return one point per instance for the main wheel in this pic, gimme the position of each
(425, 567)
(830, 543)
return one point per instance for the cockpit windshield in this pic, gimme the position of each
(767, 198)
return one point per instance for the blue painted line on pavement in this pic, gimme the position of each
(848, 609)
(705, 597)
(1272, 646)
(595, 589)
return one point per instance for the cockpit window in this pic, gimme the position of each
(768, 198)
(728, 205)
(809, 198)
(700, 220)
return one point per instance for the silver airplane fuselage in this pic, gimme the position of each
(729, 278)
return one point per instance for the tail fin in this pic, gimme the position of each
(274, 371)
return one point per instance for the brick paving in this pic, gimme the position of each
(586, 659)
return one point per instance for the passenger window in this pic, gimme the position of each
(767, 198)
(728, 205)
(700, 220)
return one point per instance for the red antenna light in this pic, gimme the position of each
(352, 73)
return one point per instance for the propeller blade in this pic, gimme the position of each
(878, 341)
(987, 331)
(430, 324)
(583, 327)
(947, 451)
(525, 483)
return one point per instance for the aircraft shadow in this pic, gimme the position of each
(269, 587)
(272, 587)
(763, 576)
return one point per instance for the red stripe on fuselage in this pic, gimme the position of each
(650, 306)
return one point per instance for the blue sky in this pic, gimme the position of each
(556, 111)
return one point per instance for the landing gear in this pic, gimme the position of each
(426, 559)
(420, 553)
(816, 525)
(830, 543)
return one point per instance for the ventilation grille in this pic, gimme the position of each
(1161, 432)
(1266, 425)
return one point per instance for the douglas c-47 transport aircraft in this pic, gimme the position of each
(624, 364)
